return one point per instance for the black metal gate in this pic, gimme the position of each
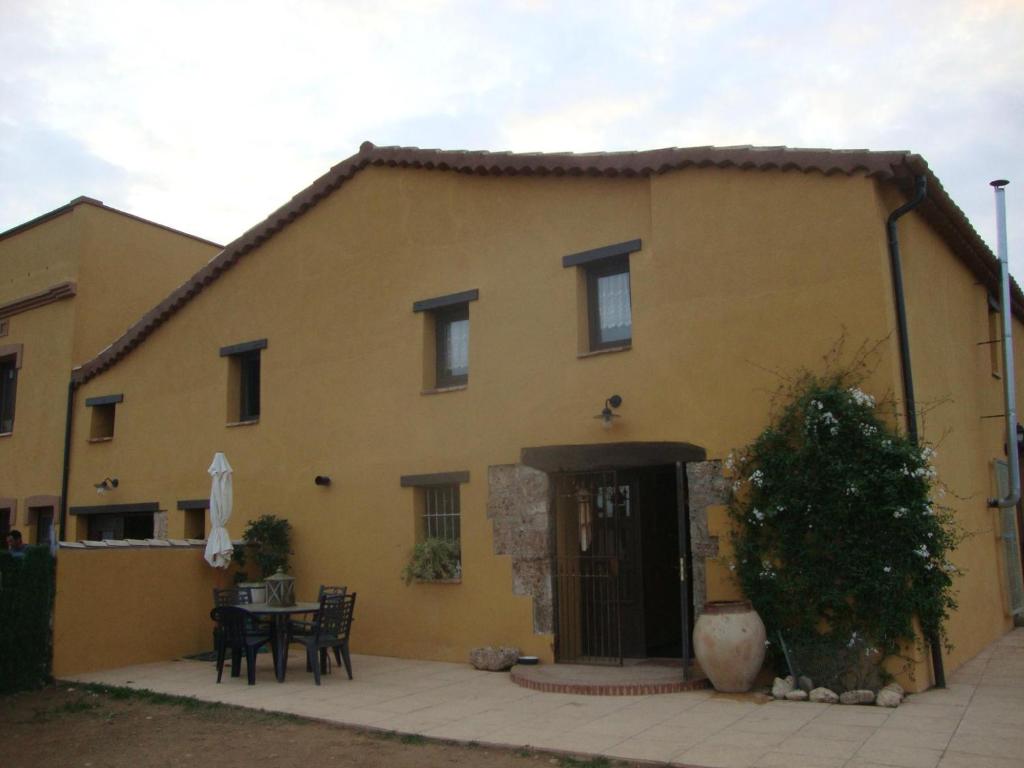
(595, 576)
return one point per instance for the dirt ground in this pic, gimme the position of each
(93, 727)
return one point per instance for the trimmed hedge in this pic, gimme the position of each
(26, 604)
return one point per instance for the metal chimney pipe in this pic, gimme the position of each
(1012, 455)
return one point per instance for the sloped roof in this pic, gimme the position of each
(899, 167)
(83, 200)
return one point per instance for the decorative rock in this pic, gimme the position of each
(888, 698)
(493, 659)
(857, 697)
(796, 695)
(781, 687)
(804, 683)
(824, 696)
(897, 688)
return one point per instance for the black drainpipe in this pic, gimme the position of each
(910, 404)
(67, 460)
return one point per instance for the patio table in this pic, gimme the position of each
(280, 614)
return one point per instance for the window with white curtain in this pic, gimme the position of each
(608, 303)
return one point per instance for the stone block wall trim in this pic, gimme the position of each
(519, 507)
(707, 488)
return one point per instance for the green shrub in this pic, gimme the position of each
(26, 604)
(267, 545)
(838, 538)
(433, 560)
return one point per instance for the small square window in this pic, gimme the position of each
(102, 423)
(8, 390)
(451, 340)
(608, 304)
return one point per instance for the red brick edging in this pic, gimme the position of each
(610, 689)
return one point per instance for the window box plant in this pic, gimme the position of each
(435, 560)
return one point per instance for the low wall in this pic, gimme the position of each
(118, 604)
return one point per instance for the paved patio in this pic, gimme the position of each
(978, 722)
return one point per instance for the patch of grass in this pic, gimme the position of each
(412, 738)
(188, 703)
(595, 762)
(72, 707)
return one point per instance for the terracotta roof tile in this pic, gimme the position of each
(899, 167)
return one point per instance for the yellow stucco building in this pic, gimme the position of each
(71, 281)
(467, 344)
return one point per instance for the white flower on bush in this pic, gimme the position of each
(861, 397)
(929, 512)
(851, 490)
(757, 477)
(922, 551)
(887, 568)
(757, 514)
(854, 637)
(899, 512)
(868, 430)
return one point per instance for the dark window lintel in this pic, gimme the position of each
(245, 346)
(437, 478)
(104, 400)
(117, 509)
(450, 300)
(193, 503)
(600, 254)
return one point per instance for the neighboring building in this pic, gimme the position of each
(71, 281)
(439, 332)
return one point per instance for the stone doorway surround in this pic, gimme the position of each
(519, 504)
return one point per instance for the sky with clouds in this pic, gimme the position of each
(206, 115)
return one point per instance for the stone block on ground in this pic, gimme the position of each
(796, 695)
(824, 696)
(857, 697)
(888, 698)
(897, 688)
(493, 659)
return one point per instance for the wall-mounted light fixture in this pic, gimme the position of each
(106, 484)
(606, 415)
(322, 480)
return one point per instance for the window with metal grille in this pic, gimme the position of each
(441, 516)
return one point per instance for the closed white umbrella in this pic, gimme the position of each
(218, 546)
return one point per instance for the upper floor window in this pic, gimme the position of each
(244, 380)
(101, 425)
(10, 363)
(607, 308)
(446, 339)
(609, 312)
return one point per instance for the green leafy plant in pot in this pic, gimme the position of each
(267, 546)
(433, 560)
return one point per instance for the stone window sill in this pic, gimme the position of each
(101, 439)
(441, 390)
(6, 434)
(438, 581)
(248, 423)
(607, 351)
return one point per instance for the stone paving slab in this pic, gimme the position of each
(978, 722)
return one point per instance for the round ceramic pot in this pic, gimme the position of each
(728, 641)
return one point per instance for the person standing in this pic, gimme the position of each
(15, 545)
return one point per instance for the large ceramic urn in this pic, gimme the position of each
(729, 643)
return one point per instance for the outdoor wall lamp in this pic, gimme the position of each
(606, 415)
(322, 480)
(106, 484)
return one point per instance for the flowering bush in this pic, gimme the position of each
(837, 533)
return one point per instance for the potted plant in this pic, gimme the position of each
(267, 546)
(433, 560)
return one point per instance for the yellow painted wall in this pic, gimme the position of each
(947, 312)
(103, 619)
(740, 272)
(121, 267)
